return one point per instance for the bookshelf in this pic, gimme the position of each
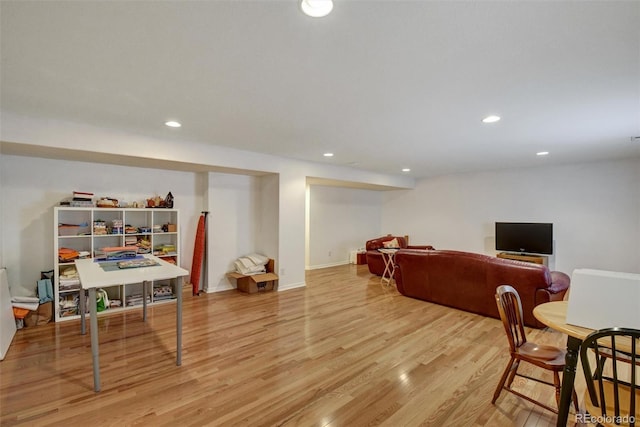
(85, 231)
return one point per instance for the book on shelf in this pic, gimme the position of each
(82, 195)
(81, 203)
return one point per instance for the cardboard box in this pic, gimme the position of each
(256, 282)
(604, 299)
(40, 317)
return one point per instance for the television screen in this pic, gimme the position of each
(525, 237)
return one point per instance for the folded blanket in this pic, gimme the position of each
(258, 259)
(33, 305)
(24, 299)
(246, 262)
(251, 264)
(255, 269)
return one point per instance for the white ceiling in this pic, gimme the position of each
(382, 84)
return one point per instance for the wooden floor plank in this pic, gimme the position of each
(343, 351)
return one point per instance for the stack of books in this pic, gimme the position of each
(99, 227)
(81, 199)
(136, 299)
(69, 279)
(129, 229)
(116, 226)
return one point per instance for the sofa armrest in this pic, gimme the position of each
(554, 292)
(559, 282)
(374, 244)
(429, 247)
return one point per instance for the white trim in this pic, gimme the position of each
(291, 286)
(333, 264)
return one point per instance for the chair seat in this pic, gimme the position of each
(547, 354)
(624, 394)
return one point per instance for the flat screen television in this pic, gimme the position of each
(525, 237)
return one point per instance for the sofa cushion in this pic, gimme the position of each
(391, 244)
(375, 244)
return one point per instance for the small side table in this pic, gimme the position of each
(388, 255)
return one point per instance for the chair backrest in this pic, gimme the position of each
(614, 394)
(510, 309)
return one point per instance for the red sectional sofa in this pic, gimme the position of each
(374, 258)
(468, 281)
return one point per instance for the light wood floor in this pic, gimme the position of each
(344, 351)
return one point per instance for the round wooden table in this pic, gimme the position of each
(554, 315)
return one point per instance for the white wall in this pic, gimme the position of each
(32, 186)
(1, 210)
(595, 209)
(291, 223)
(239, 212)
(51, 136)
(268, 232)
(243, 216)
(341, 220)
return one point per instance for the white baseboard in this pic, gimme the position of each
(291, 286)
(280, 287)
(213, 290)
(333, 264)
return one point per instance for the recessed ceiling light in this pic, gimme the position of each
(542, 153)
(491, 119)
(316, 8)
(328, 154)
(406, 170)
(173, 124)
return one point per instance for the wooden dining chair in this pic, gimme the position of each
(613, 394)
(543, 356)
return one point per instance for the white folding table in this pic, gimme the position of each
(93, 276)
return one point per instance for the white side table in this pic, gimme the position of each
(388, 255)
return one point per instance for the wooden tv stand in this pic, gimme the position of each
(536, 259)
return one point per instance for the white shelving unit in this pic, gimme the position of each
(153, 230)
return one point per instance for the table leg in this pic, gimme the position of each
(386, 258)
(389, 268)
(93, 312)
(179, 322)
(144, 300)
(568, 378)
(83, 308)
(392, 268)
